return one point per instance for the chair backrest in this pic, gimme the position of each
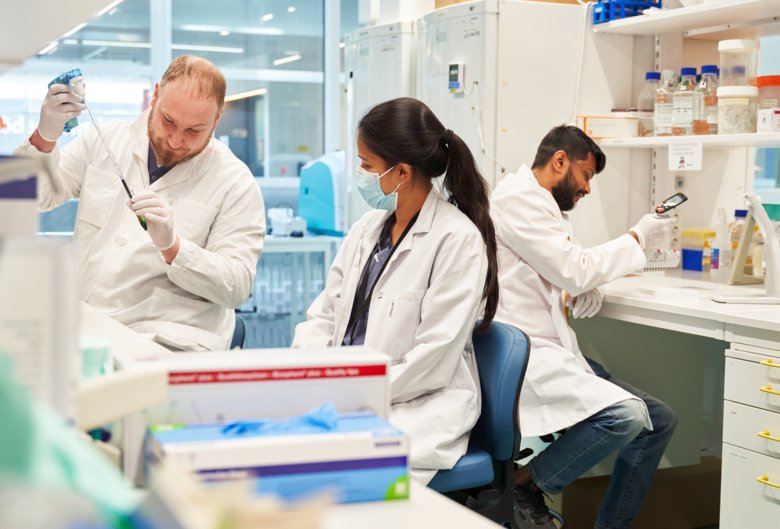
(239, 333)
(502, 357)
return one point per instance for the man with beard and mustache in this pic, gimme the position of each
(543, 272)
(180, 281)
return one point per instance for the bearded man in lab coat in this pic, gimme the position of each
(543, 272)
(180, 281)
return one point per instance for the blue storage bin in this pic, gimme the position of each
(617, 9)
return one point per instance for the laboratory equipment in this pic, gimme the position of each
(722, 251)
(738, 62)
(646, 103)
(499, 115)
(74, 78)
(670, 203)
(455, 81)
(684, 102)
(664, 109)
(756, 216)
(607, 10)
(380, 65)
(322, 195)
(705, 116)
(737, 109)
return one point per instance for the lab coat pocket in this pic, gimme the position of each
(99, 190)
(167, 306)
(402, 321)
(193, 220)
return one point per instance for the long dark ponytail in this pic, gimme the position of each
(405, 130)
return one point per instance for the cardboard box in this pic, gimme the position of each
(602, 127)
(769, 120)
(362, 458)
(685, 497)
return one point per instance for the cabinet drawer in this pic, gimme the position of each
(744, 501)
(753, 383)
(751, 428)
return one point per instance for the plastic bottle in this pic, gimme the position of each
(735, 234)
(646, 103)
(721, 251)
(705, 116)
(662, 115)
(706, 256)
(684, 101)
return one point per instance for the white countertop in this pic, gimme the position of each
(682, 301)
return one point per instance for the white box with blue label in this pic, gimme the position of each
(361, 458)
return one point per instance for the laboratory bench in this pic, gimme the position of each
(719, 363)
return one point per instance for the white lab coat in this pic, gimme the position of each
(539, 260)
(218, 214)
(422, 314)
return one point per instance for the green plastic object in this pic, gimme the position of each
(40, 450)
(773, 210)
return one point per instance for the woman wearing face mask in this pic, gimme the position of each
(412, 276)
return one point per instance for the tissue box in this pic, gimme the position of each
(363, 458)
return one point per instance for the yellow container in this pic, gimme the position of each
(693, 244)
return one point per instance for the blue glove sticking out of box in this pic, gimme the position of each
(323, 419)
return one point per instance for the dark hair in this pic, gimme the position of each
(574, 142)
(405, 130)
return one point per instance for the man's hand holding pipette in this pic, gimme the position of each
(61, 104)
(159, 219)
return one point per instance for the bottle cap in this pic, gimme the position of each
(740, 213)
(652, 76)
(709, 68)
(688, 71)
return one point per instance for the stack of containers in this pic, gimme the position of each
(737, 93)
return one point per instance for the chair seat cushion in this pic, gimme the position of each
(474, 469)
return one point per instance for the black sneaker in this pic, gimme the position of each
(530, 510)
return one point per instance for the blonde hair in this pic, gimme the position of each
(205, 78)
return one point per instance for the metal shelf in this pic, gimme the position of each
(712, 16)
(722, 141)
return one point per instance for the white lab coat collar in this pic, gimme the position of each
(526, 173)
(179, 173)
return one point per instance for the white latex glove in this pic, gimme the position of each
(159, 218)
(588, 304)
(61, 104)
(654, 231)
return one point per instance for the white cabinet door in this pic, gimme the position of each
(745, 502)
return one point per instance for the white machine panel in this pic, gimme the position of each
(465, 35)
(380, 66)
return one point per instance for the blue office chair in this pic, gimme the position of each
(239, 334)
(482, 479)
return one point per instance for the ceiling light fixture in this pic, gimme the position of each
(74, 30)
(50, 47)
(242, 30)
(109, 7)
(244, 95)
(267, 17)
(224, 33)
(291, 9)
(288, 59)
(187, 47)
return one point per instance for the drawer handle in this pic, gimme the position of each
(769, 363)
(764, 480)
(765, 435)
(768, 389)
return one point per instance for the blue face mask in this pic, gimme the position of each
(368, 185)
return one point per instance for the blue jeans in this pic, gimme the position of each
(618, 427)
